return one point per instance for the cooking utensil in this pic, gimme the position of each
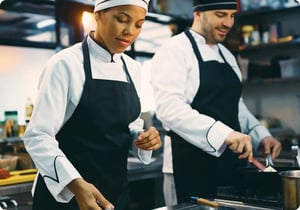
(205, 202)
(256, 163)
(291, 189)
(269, 164)
(268, 183)
(261, 167)
(269, 161)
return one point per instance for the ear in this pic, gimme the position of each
(97, 16)
(197, 15)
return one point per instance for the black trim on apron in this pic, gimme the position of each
(96, 139)
(196, 172)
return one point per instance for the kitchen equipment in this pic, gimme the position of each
(205, 202)
(253, 176)
(20, 176)
(259, 187)
(269, 164)
(8, 162)
(256, 163)
(291, 189)
(224, 205)
(7, 202)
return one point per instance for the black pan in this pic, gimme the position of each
(253, 178)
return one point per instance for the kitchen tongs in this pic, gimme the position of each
(268, 167)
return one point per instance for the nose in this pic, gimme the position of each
(131, 29)
(128, 30)
(228, 22)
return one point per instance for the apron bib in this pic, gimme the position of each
(197, 173)
(96, 139)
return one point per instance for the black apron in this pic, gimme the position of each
(196, 172)
(96, 139)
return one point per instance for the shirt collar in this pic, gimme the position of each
(201, 39)
(101, 53)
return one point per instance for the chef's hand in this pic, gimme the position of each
(148, 140)
(271, 146)
(240, 143)
(87, 196)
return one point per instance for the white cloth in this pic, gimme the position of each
(169, 189)
(104, 4)
(60, 90)
(175, 80)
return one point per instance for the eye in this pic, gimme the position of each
(122, 19)
(139, 24)
(220, 14)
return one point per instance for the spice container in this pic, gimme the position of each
(11, 123)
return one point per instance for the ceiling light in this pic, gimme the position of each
(45, 23)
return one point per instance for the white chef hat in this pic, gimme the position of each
(104, 4)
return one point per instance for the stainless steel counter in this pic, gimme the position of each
(224, 205)
(137, 171)
(20, 193)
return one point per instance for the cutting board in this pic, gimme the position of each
(19, 176)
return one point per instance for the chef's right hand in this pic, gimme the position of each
(240, 143)
(88, 196)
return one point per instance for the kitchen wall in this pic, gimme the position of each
(20, 68)
(278, 99)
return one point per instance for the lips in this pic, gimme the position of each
(223, 32)
(124, 42)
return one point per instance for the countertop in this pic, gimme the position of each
(136, 171)
(224, 205)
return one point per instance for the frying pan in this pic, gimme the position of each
(251, 177)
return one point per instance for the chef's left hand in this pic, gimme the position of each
(148, 140)
(271, 146)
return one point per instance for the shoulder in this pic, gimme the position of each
(68, 55)
(177, 46)
(178, 42)
(65, 64)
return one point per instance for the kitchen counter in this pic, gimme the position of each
(20, 193)
(224, 205)
(137, 173)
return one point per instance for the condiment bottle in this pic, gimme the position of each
(28, 110)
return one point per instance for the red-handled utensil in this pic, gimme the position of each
(258, 164)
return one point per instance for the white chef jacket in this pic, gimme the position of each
(60, 90)
(175, 81)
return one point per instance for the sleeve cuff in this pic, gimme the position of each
(217, 135)
(65, 173)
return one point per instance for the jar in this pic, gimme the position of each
(247, 30)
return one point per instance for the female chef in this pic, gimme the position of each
(86, 116)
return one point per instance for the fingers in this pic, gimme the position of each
(102, 202)
(149, 140)
(271, 146)
(88, 197)
(241, 144)
(276, 150)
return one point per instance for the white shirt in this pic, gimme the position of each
(175, 81)
(60, 90)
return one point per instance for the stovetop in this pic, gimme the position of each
(261, 196)
(236, 198)
(224, 205)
